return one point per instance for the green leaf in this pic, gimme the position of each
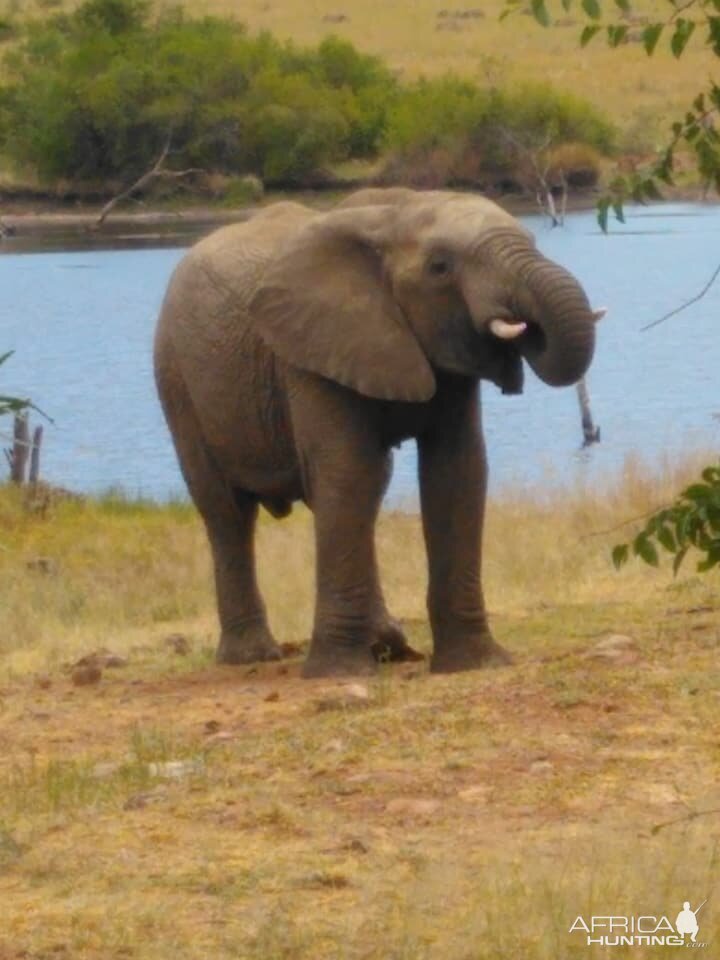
(588, 33)
(650, 37)
(540, 12)
(650, 189)
(592, 9)
(684, 29)
(697, 492)
(646, 550)
(603, 207)
(623, 5)
(616, 34)
(620, 555)
(666, 539)
(679, 557)
(618, 211)
(566, 4)
(712, 559)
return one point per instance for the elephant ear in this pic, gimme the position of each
(323, 304)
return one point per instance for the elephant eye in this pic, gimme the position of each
(439, 265)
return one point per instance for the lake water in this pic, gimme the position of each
(81, 325)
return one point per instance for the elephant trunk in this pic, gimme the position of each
(559, 340)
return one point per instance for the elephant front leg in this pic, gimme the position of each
(344, 608)
(245, 635)
(453, 479)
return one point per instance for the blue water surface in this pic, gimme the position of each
(81, 325)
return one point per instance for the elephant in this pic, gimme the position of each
(295, 350)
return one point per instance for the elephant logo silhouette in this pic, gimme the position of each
(686, 922)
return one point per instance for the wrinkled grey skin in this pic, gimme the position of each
(295, 350)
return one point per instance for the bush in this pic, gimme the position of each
(578, 164)
(94, 96)
(487, 138)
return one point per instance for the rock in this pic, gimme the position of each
(175, 769)
(477, 793)
(617, 647)
(101, 658)
(212, 726)
(353, 695)
(541, 767)
(43, 681)
(179, 644)
(271, 697)
(45, 565)
(138, 801)
(85, 675)
(113, 661)
(412, 806)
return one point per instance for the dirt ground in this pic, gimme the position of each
(175, 807)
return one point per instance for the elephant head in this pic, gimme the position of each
(379, 295)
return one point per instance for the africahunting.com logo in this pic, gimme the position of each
(645, 931)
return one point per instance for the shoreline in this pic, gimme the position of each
(30, 218)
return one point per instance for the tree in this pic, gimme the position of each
(692, 521)
(692, 20)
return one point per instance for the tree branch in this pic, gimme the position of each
(684, 306)
(157, 170)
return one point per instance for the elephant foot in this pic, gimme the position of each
(327, 659)
(251, 645)
(390, 645)
(470, 654)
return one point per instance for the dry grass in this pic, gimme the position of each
(461, 818)
(415, 40)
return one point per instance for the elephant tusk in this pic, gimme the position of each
(507, 331)
(599, 313)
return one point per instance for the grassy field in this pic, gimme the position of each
(430, 37)
(175, 808)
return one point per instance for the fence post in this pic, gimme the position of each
(35, 455)
(20, 449)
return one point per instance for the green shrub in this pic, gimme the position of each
(467, 135)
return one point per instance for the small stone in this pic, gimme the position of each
(175, 769)
(44, 565)
(272, 697)
(212, 726)
(138, 801)
(357, 691)
(179, 644)
(86, 675)
(478, 793)
(412, 806)
(617, 647)
(43, 681)
(541, 767)
(113, 661)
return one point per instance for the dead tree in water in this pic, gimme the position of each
(591, 433)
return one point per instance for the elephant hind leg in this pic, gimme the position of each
(229, 516)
